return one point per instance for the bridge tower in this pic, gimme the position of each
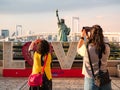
(75, 24)
(18, 30)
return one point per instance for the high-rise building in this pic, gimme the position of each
(5, 33)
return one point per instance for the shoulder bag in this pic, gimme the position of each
(36, 79)
(101, 78)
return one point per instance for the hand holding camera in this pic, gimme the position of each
(85, 31)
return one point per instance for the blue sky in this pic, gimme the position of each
(39, 15)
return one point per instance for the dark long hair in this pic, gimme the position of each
(43, 47)
(97, 38)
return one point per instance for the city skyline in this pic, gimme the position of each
(39, 15)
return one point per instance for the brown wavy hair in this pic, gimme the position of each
(43, 47)
(97, 38)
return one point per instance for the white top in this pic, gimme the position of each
(86, 70)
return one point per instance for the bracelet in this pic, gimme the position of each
(82, 38)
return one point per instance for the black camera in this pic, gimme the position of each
(87, 29)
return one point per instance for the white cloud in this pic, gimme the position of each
(34, 6)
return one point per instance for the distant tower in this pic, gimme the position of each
(75, 24)
(18, 30)
(5, 33)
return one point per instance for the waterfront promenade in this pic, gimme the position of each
(19, 83)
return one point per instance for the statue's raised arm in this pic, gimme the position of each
(57, 16)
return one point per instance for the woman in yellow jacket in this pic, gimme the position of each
(40, 54)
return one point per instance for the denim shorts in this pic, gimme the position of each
(89, 85)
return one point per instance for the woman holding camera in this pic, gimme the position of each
(95, 43)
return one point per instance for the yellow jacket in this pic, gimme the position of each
(37, 65)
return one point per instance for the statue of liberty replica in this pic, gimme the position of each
(64, 31)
